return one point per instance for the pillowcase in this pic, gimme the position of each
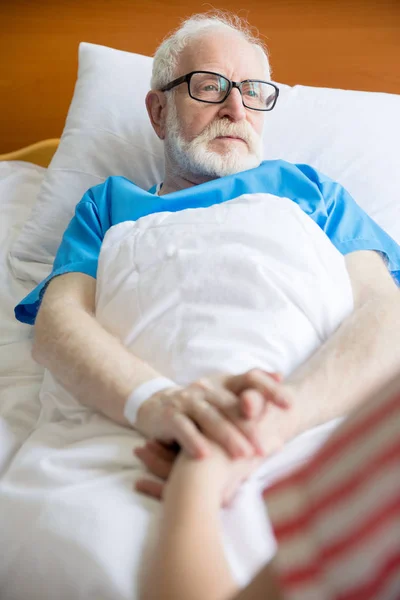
(348, 135)
(107, 132)
(351, 136)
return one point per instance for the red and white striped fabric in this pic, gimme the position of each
(337, 519)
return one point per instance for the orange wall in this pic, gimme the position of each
(351, 44)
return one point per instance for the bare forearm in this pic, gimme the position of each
(362, 354)
(189, 561)
(91, 364)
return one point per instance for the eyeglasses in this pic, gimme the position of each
(213, 88)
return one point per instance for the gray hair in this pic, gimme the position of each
(167, 54)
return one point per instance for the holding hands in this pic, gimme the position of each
(231, 421)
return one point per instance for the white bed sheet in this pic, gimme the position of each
(46, 558)
(20, 376)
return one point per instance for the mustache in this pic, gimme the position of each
(226, 128)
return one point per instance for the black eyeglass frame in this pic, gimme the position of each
(232, 84)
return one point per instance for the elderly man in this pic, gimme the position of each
(211, 92)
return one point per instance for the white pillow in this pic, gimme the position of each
(353, 137)
(350, 136)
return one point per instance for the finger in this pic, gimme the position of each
(191, 440)
(223, 401)
(150, 488)
(252, 404)
(229, 403)
(277, 376)
(156, 465)
(218, 428)
(261, 381)
(220, 397)
(225, 420)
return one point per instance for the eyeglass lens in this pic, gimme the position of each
(213, 88)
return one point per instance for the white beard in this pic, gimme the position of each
(195, 158)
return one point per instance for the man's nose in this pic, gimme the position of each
(233, 107)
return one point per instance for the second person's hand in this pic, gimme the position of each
(218, 474)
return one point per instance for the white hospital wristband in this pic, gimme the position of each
(143, 393)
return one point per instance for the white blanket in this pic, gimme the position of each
(252, 282)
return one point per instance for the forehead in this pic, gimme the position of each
(226, 53)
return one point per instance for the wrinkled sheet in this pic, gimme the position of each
(20, 377)
(253, 282)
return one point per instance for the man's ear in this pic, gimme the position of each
(156, 107)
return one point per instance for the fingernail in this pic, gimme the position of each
(200, 453)
(240, 453)
(247, 451)
(259, 446)
(250, 451)
(258, 449)
(281, 397)
(261, 452)
(234, 451)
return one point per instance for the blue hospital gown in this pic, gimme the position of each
(117, 200)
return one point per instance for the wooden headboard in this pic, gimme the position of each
(351, 44)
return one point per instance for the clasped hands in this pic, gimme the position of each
(228, 422)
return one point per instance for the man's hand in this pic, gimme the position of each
(223, 408)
